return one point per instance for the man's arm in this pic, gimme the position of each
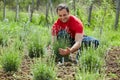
(78, 40)
(75, 47)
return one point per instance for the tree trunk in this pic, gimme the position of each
(51, 9)
(90, 12)
(117, 14)
(74, 7)
(4, 10)
(103, 18)
(29, 12)
(32, 9)
(38, 4)
(17, 10)
(47, 11)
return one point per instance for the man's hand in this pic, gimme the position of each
(64, 52)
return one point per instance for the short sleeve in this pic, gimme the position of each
(55, 28)
(78, 27)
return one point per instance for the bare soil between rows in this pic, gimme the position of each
(113, 64)
(67, 70)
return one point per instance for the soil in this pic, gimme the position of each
(113, 64)
(23, 74)
(67, 70)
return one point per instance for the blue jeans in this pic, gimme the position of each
(87, 41)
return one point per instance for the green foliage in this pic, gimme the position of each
(42, 71)
(3, 39)
(10, 60)
(61, 43)
(90, 61)
(42, 19)
(88, 76)
(35, 44)
(18, 45)
(35, 49)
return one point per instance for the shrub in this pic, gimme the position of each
(3, 40)
(88, 76)
(62, 43)
(43, 72)
(18, 44)
(35, 45)
(10, 61)
(35, 50)
(90, 61)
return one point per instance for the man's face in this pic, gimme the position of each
(63, 15)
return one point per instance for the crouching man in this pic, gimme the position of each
(67, 23)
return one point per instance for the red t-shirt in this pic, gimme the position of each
(72, 26)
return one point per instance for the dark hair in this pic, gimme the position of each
(62, 6)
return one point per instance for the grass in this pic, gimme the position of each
(90, 61)
(10, 60)
(88, 76)
(36, 42)
(41, 71)
(3, 39)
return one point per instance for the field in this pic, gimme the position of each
(25, 52)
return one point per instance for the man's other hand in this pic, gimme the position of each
(64, 52)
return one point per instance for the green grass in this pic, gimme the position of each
(90, 61)
(10, 60)
(42, 71)
(89, 76)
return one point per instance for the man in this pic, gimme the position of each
(70, 24)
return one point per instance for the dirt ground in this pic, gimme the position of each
(23, 74)
(67, 70)
(113, 64)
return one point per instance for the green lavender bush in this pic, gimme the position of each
(63, 41)
(35, 45)
(90, 61)
(10, 60)
(42, 71)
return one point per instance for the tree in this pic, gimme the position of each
(74, 7)
(4, 10)
(49, 7)
(17, 10)
(117, 14)
(38, 4)
(32, 10)
(90, 12)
